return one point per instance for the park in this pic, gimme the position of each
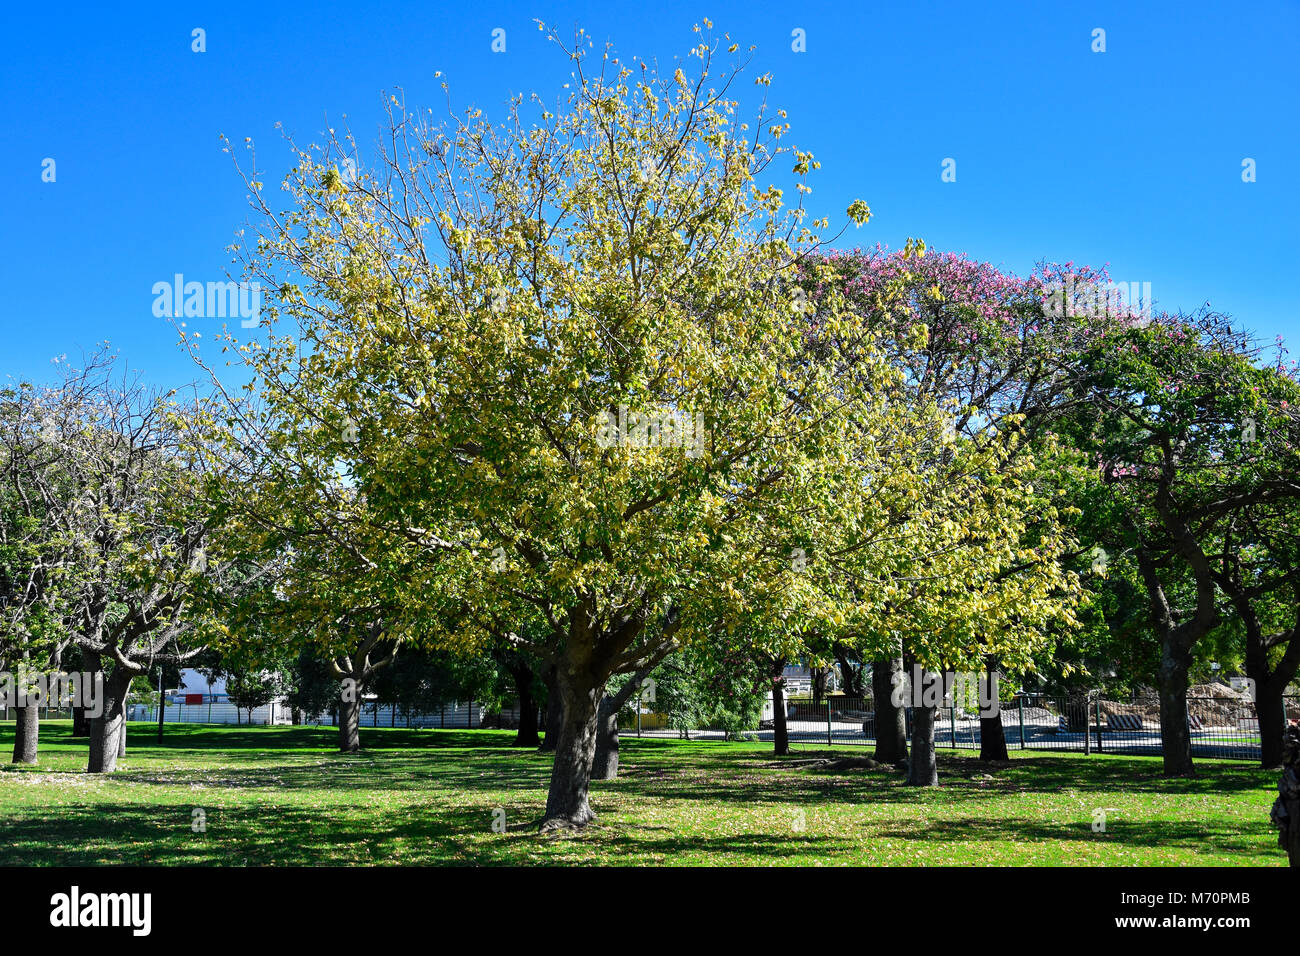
(573, 487)
(285, 796)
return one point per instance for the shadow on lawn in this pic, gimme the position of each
(461, 775)
(1244, 838)
(132, 834)
(259, 835)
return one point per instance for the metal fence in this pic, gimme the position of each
(1219, 727)
(452, 715)
(455, 714)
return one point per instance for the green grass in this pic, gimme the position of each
(278, 796)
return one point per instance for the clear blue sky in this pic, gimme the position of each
(1130, 157)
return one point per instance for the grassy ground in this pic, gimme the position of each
(276, 796)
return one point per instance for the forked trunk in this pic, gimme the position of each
(891, 720)
(27, 729)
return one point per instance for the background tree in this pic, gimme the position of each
(1165, 405)
(253, 686)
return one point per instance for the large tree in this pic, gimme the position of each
(564, 350)
(1197, 452)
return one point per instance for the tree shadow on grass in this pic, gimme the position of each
(105, 834)
(1219, 837)
(99, 834)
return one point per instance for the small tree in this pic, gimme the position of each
(250, 688)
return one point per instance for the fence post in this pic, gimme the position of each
(952, 723)
(1020, 706)
(1087, 731)
(829, 741)
(1098, 723)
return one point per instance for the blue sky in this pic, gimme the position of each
(1130, 157)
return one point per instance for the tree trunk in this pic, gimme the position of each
(604, 765)
(850, 676)
(819, 675)
(780, 730)
(554, 711)
(993, 738)
(92, 664)
(108, 731)
(350, 724)
(921, 768)
(567, 803)
(80, 722)
(27, 729)
(527, 735)
(1270, 708)
(891, 721)
(1286, 809)
(1176, 741)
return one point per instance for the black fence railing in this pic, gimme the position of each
(1219, 726)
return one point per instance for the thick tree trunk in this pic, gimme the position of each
(108, 731)
(891, 721)
(921, 768)
(554, 711)
(604, 765)
(1176, 741)
(527, 735)
(780, 730)
(27, 729)
(567, 802)
(350, 724)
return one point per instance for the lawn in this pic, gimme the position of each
(279, 796)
